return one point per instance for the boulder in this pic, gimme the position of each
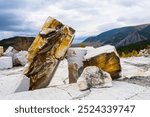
(105, 58)
(144, 52)
(23, 84)
(1, 50)
(20, 58)
(75, 58)
(92, 76)
(45, 53)
(5, 62)
(11, 53)
(13, 83)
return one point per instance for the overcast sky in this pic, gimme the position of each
(87, 17)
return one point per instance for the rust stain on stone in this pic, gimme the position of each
(108, 62)
(48, 48)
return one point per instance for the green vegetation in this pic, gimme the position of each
(127, 51)
(129, 54)
(82, 45)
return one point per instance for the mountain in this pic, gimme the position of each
(136, 46)
(122, 36)
(18, 42)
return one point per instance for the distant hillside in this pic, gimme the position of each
(122, 36)
(18, 42)
(136, 46)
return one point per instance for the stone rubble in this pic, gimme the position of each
(105, 58)
(6, 62)
(144, 53)
(10, 51)
(120, 90)
(92, 76)
(18, 57)
(21, 58)
(88, 69)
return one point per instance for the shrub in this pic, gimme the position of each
(82, 45)
(129, 54)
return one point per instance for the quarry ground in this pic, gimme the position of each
(134, 84)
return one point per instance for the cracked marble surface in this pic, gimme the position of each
(136, 70)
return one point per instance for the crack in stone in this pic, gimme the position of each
(138, 80)
(135, 94)
(138, 65)
(74, 98)
(82, 95)
(65, 91)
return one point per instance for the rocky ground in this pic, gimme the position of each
(134, 84)
(139, 80)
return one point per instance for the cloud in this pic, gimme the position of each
(10, 4)
(9, 22)
(87, 17)
(127, 3)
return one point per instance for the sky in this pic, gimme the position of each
(87, 17)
